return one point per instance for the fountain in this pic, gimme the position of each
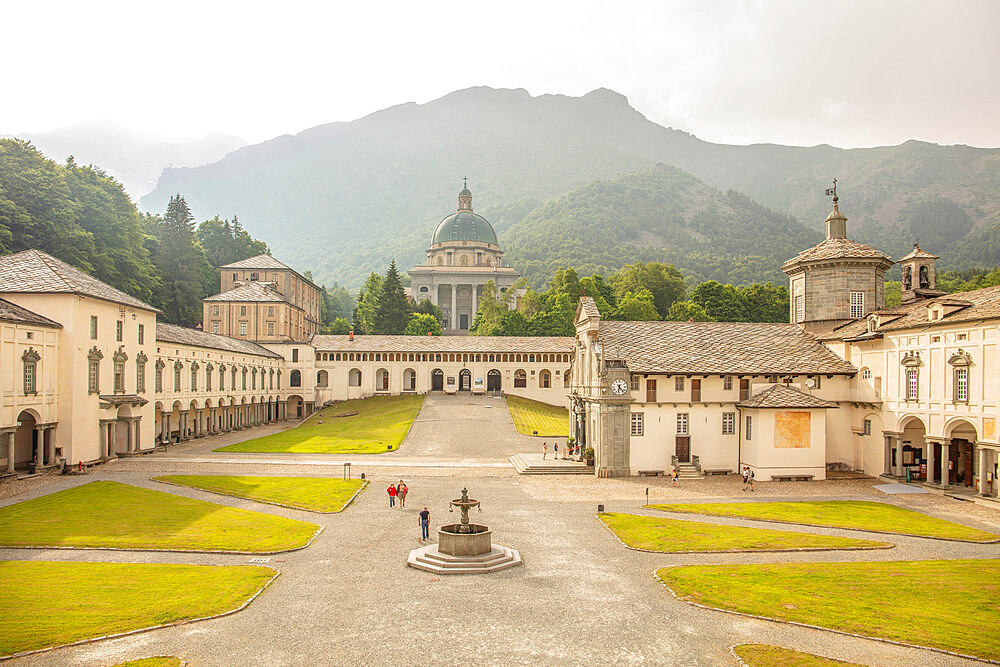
(464, 547)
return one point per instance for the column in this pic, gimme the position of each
(129, 436)
(929, 446)
(50, 442)
(897, 443)
(39, 446)
(887, 465)
(9, 437)
(945, 456)
(982, 472)
(475, 303)
(137, 428)
(166, 427)
(454, 307)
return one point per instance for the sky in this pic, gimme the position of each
(849, 73)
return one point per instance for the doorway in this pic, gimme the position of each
(683, 448)
(463, 322)
(493, 380)
(465, 380)
(437, 380)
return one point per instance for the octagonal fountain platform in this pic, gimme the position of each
(464, 548)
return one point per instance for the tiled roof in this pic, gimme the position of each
(588, 308)
(917, 252)
(980, 304)
(249, 291)
(532, 344)
(783, 396)
(33, 271)
(171, 333)
(258, 262)
(725, 348)
(837, 248)
(11, 312)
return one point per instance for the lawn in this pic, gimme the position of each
(155, 661)
(316, 494)
(947, 604)
(380, 425)
(851, 514)
(671, 536)
(765, 655)
(53, 603)
(529, 416)
(109, 514)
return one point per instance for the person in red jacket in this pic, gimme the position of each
(392, 495)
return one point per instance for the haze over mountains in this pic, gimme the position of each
(342, 199)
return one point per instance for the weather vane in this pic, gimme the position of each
(833, 190)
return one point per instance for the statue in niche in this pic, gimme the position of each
(925, 281)
(907, 277)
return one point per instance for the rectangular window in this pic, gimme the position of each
(800, 308)
(177, 378)
(215, 327)
(728, 423)
(695, 390)
(866, 427)
(215, 310)
(634, 383)
(744, 389)
(679, 383)
(119, 377)
(243, 310)
(857, 305)
(208, 379)
(93, 377)
(727, 383)
(29, 377)
(817, 381)
(749, 429)
(270, 328)
(651, 391)
(140, 377)
(270, 311)
(194, 378)
(962, 385)
(682, 423)
(962, 337)
(119, 331)
(637, 423)
(93, 327)
(295, 354)
(935, 339)
(254, 276)
(158, 380)
(911, 384)
(243, 328)
(142, 334)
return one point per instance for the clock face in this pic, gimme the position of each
(619, 387)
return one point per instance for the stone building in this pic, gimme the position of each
(263, 300)
(463, 256)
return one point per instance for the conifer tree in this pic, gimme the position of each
(367, 304)
(181, 264)
(394, 309)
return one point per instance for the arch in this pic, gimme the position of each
(208, 403)
(962, 436)
(381, 380)
(906, 421)
(437, 380)
(294, 407)
(465, 380)
(322, 379)
(409, 379)
(494, 380)
(957, 427)
(26, 441)
(194, 404)
(544, 379)
(121, 430)
(354, 377)
(295, 378)
(520, 379)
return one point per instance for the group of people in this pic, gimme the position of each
(569, 449)
(398, 492)
(748, 476)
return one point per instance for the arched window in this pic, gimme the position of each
(354, 378)
(544, 379)
(520, 379)
(322, 379)
(382, 380)
(295, 379)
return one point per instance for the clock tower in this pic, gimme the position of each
(612, 434)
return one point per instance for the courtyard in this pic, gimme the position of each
(581, 597)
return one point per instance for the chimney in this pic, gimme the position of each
(350, 336)
(429, 333)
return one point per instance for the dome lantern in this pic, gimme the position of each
(465, 197)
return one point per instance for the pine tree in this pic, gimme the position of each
(181, 264)
(367, 304)
(394, 309)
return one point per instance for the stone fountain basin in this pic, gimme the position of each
(477, 542)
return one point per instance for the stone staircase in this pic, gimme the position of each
(532, 464)
(431, 560)
(688, 471)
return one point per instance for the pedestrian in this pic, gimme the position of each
(750, 477)
(392, 495)
(673, 476)
(545, 450)
(555, 450)
(425, 522)
(745, 469)
(401, 492)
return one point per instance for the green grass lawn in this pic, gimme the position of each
(380, 425)
(948, 604)
(50, 603)
(316, 494)
(856, 515)
(155, 661)
(671, 535)
(765, 655)
(109, 514)
(549, 420)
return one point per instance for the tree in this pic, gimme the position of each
(636, 307)
(181, 264)
(531, 302)
(428, 308)
(766, 303)
(549, 324)
(601, 292)
(722, 302)
(393, 310)
(421, 324)
(491, 309)
(663, 281)
(566, 281)
(367, 303)
(688, 311)
(337, 327)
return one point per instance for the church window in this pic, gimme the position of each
(728, 423)
(637, 423)
(857, 305)
(679, 383)
(749, 428)
(295, 379)
(634, 383)
(651, 391)
(912, 384)
(727, 383)
(800, 308)
(30, 359)
(682, 423)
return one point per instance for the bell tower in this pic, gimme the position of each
(465, 196)
(919, 278)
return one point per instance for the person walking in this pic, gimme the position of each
(401, 492)
(744, 471)
(673, 476)
(750, 477)
(425, 523)
(392, 495)
(545, 450)
(555, 450)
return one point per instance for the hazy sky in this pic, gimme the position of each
(847, 73)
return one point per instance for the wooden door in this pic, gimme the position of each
(683, 448)
(967, 449)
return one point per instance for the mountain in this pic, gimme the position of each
(344, 198)
(133, 157)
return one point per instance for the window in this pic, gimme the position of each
(93, 327)
(295, 354)
(30, 359)
(744, 388)
(215, 310)
(817, 381)
(94, 370)
(695, 390)
(232, 379)
(962, 385)
(728, 423)
(727, 383)
(119, 377)
(296, 379)
(800, 308)
(544, 379)
(253, 378)
(962, 336)
(935, 339)
(158, 376)
(243, 328)
(634, 383)
(194, 377)
(651, 391)
(215, 327)
(912, 378)
(866, 427)
(243, 310)
(354, 378)
(119, 330)
(270, 311)
(857, 305)
(140, 372)
(177, 375)
(679, 383)
(866, 374)
(637, 423)
(254, 276)
(244, 385)
(682, 423)
(142, 335)
(222, 378)
(236, 276)
(520, 379)
(749, 428)
(208, 378)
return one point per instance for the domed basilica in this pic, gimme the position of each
(463, 256)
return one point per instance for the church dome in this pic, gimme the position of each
(464, 225)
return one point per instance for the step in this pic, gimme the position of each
(568, 468)
(428, 559)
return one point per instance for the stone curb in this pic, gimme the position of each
(732, 650)
(118, 635)
(176, 551)
(888, 545)
(860, 530)
(819, 627)
(265, 502)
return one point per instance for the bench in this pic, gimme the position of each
(650, 473)
(791, 478)
(716, 471)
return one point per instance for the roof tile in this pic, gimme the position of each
(171, 333)
(11, 312)
(783, 396)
